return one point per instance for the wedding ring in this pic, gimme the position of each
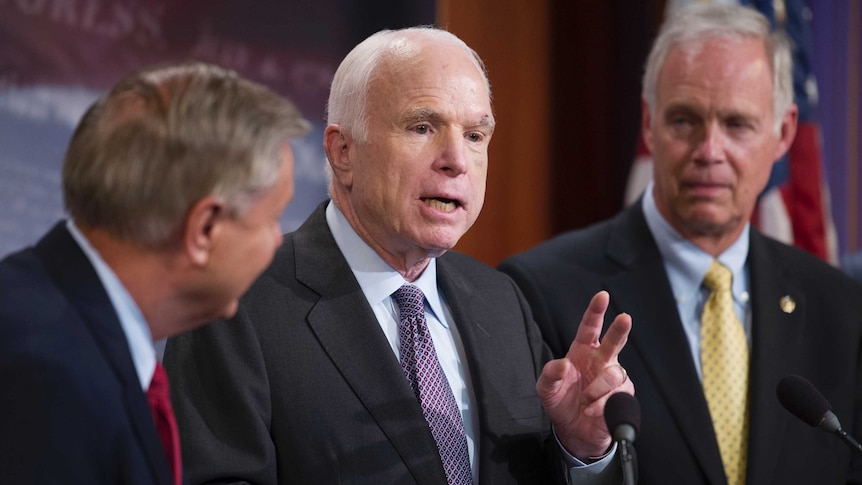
(625, 374)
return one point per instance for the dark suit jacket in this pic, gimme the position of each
(71, 406)
(820, 340)
(303, 387)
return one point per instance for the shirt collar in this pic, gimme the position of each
(132, 321)
(376, 278)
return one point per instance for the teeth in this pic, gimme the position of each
(440, 205)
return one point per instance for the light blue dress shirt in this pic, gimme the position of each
(686, 265)
(132, 321)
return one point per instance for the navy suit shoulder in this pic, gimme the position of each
(560, 276)
(65, 413)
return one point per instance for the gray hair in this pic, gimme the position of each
(164, 138)
(348, 96)
(697, 22)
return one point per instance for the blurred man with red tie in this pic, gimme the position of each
(175, 182)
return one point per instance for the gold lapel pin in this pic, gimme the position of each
(787, 304)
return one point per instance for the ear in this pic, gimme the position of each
(787, 132)
(202, 227)
(646, 125)
(336, 144)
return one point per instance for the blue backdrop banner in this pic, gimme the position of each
(58, 56)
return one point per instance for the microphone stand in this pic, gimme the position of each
(830, 422)
(852, 443)
(627, 453)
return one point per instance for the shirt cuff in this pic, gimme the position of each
(577, 469)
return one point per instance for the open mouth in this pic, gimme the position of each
(441, 204)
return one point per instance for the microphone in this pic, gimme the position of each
(804, 401)
(623, 418)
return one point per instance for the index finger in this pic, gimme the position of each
(591, 324)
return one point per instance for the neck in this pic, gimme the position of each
(409, 262)
(148, 275)
(713, 245)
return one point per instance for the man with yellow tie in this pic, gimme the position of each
(721, 313)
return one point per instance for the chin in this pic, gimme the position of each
(444, 239)
(437, 248)
(228, 311)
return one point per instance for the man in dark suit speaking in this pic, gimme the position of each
(174, 181)
(722, 312)
(369, 352)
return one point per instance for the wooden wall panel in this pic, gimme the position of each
(512, 38)
(566, 83)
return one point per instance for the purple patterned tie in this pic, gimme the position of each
(423, 372)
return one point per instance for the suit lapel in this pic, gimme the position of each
(467, 310)
(70, 269)
(657, 337)
(350, 334)
(471, 318)
(776, 340)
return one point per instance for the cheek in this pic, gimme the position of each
(268, 240)
(754, 164)
(479, 173)
(479, 185)
(753, 180)
(277, 234)
(675, 151)
(273, 241)
(666, 172)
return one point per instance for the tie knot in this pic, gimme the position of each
(717, 277)
(410, 300)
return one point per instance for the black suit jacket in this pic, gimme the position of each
(819, 340)
(71, 406)
(303, 387)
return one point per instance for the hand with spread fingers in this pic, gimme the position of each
(574, 389)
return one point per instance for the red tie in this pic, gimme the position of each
(159, 397)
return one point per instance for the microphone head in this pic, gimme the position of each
(802, 399)
(623, 416)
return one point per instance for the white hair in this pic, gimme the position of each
(697, 22)
(348, 95)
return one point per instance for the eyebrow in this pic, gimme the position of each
(682, 107)
(676, 108)
(414, 115)
(487, 121)
(420, 114)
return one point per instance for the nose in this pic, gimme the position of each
(710, 149)
(453, 159)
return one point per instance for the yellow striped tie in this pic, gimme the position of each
(724, 361)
